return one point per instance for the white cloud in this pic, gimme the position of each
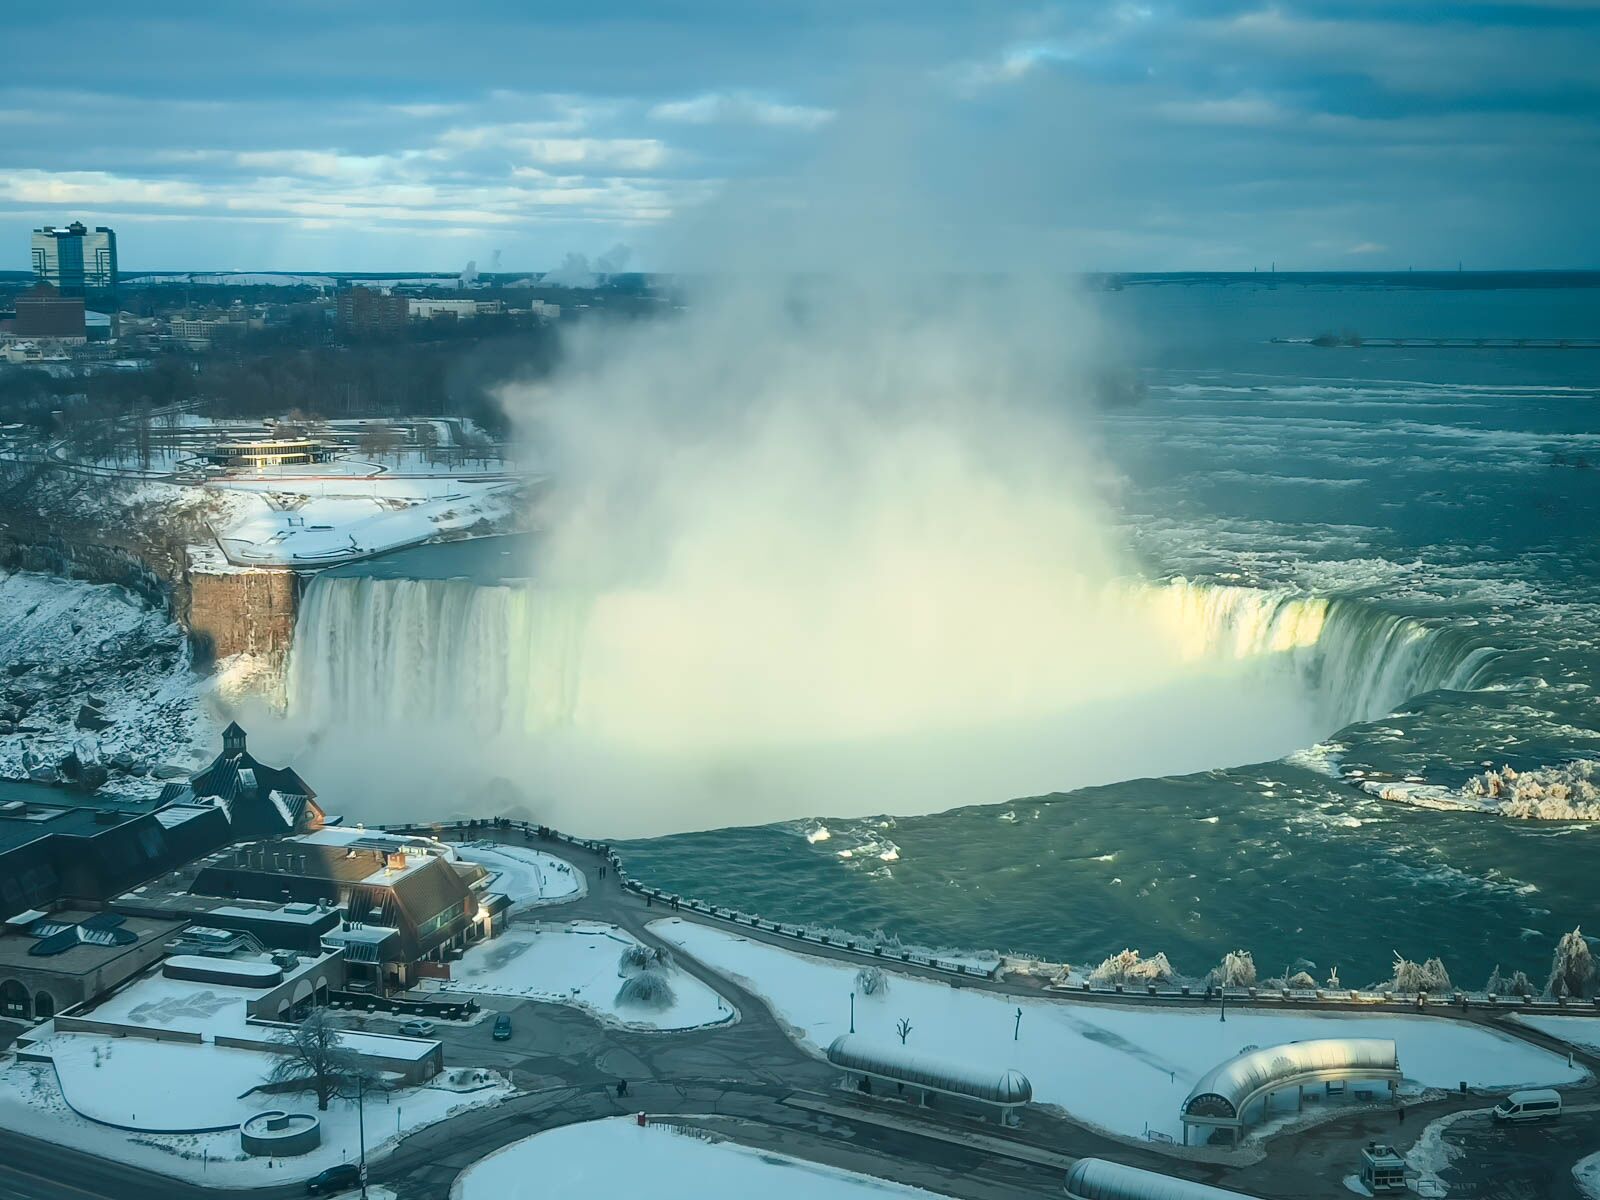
(741, 108)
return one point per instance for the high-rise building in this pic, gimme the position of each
(75, 257)
(367, 310)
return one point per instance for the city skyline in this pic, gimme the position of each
(1198, 135)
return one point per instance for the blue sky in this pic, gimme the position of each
(1139, 135)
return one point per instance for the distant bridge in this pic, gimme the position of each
(1450, 343)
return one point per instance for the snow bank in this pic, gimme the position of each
(527, 877)
(1583, 1032)
(577, 964)
(1586, 1174)
(618, 1156)
(1071, 1049)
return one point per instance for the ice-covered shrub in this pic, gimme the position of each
(1236, 970)
(644, 958)
(1408, 976)
(1333, 979)
(1515, 984)
(1129, 967)
(647, 989)
(870, 981)
(1300, 980)
(1572, 970)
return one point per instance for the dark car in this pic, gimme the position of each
(334, 1179)
(502, 1028)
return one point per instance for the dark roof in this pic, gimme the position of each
(260, 801)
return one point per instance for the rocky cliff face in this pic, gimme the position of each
(234, 611)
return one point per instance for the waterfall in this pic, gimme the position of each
(509, 658)
(494, 659)
(1354, 658)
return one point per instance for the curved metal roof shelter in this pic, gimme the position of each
(1098, 1179)
(854, 1053)
(1225, 1091)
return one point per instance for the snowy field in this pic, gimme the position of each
(527, 877)
(158, 1087)
(1583, 1032)
(285, 522)
(1069, 1049)
(617, 1156)
(578, 964)
(31, 1103)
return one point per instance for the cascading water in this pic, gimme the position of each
(1355, 660)
(509, 658)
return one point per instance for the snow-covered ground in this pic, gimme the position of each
(290, 522)
(32, 1103)
(618, 1156)
(527, 877)
(65, 644)
(1586, 1174)
(578, 963)
(1071, 1049)
(1583, 1032)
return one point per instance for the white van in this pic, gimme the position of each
(1529, 1106)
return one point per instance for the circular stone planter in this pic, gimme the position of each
(279, 1134)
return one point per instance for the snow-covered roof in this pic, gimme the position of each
(981, 1082)
(1099, 1179)
(1223, 1092)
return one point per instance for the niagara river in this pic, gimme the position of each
(1353, 568)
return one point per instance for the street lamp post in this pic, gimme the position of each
(852, 1012)
(1223, 992)
(361, 1127)
(1016, 1034)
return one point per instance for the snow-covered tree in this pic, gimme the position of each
(1429, 976)
(1129, 967)
(1515, 984)
(647, 989)
(644, 958)
(870, 981)
(1573, 966)
(1236, 970)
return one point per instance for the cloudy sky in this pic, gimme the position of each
(1153, 134)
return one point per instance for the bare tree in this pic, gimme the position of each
(313, 1053)
(903, 1028)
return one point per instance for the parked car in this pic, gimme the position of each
(335, 1179)
(417, 1028)
(1543, 1104)
(502, 1028)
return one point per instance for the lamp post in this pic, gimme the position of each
(361, 1128)
(852, 1012)
(1223, 992)
(1016, 1034)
